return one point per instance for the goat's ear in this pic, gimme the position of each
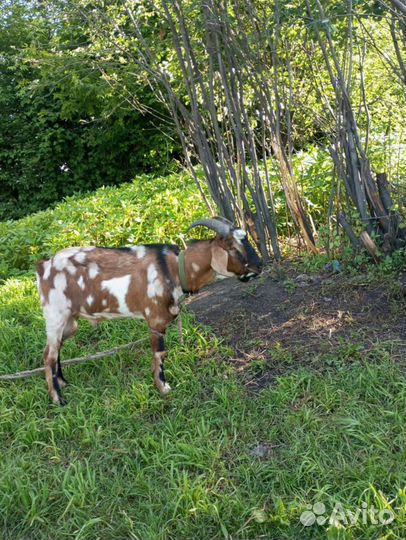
(219, 260)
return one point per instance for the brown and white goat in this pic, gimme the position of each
(143, 281)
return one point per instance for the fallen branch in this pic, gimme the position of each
(72, 361)
(370, 246)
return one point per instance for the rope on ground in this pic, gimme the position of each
(72, 361)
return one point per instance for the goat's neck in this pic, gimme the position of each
(198, 268)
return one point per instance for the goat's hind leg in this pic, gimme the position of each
(51, 359)
(57, 331)
(159, 354)
(69, 330)
(61, 379)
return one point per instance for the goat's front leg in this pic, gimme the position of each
(159, 355)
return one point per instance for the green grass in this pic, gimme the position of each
(119, 461)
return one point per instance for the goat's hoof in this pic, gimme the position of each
(59, 400)
(62, 382)
(164, 388)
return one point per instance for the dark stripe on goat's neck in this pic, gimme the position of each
(162, 261)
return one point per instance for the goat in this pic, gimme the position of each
(145, 281)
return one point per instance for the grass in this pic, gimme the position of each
(119, 461)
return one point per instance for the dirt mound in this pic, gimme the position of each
(280, 321)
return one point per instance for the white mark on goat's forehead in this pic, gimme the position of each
(90, 299)
(80, 257)
(140, 251)
(147, 311)
(239, 234)
(195, 267)
(93, 270)
(155, 285)
(81, 282)
(118, 287)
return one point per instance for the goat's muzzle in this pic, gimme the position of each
(252, 273)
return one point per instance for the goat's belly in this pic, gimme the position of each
(109, 316)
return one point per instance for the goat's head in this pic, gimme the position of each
(232, 254)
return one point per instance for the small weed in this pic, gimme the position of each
(290, 286)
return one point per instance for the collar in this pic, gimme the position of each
(182, 272)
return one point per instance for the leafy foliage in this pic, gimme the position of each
(110, 216)
(63, 128)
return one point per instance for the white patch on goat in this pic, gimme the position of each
(177, 293)
(47, 269)
(68, 252)
(40, 289)
(62, 262)
(140, 251)
(174, 310)
(239, 234)
(88, 248)
(155, 286)
(93, 270)
(104, 302)
(90, 300)
(157, 321)
(60, 282)
(152, 273)
(81, 283)
(195, 267)
(118, 287)
(80, 257)
(57, 310)
(147, 311)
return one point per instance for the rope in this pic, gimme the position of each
(72, 361)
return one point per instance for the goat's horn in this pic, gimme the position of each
(223, 229)
(225, 220)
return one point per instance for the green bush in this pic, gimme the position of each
(149, 209)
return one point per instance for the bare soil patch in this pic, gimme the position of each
(285, 319)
